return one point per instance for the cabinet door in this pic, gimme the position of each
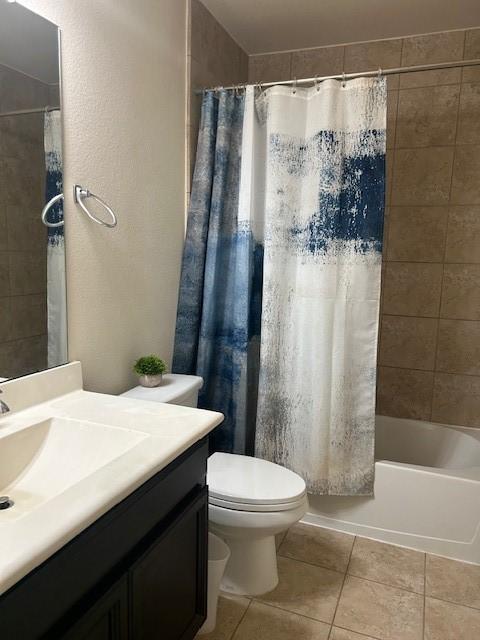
(107, 619)
(168, 583)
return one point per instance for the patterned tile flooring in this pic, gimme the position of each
(335, 586)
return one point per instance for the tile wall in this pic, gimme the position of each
(429, 351)
(214, 59)
(23, 237)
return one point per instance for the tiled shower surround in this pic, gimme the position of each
(429, 351)
(23, 237)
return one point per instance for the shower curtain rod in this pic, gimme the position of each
(24, 112)
(349, 76)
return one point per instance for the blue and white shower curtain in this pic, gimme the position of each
(279, 300)
(56, 288)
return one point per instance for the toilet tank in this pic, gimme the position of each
(176, 388)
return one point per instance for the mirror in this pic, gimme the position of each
(33, 333)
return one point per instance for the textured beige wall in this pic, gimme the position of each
(124, 129)
(429, 353)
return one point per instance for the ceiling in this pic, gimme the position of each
(261, 26)
(28, 43)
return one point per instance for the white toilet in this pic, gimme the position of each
(250, 500)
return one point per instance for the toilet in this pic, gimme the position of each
(250, 500)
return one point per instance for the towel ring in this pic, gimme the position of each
(80, 194)
(46, 209)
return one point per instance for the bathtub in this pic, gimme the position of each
(427, 491)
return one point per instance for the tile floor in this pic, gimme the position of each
(334, 586)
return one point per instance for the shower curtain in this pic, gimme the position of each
(56, 288)
(279, 299)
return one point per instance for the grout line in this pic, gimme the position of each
(363, 635)
(343, 581)
(23, 295)
(241, 620)
(464, 44)
(386, 584)
(389, 188)
(436, 146)
(401, 55)
(13, 340)
(424, 590)
(407, 36)
(456, 604)
(444, 205)
(431, 86)
(295, 613)
(447, 373)
(312, 564)
(439, 317)
(459, 264)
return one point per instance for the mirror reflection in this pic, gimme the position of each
(32, 255)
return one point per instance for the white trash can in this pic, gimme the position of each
(218, 555)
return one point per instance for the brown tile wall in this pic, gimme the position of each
(429, 351)
(214, 59)
(23, 237)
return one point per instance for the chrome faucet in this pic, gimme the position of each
(4, 408)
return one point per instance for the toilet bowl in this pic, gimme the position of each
(250, 500)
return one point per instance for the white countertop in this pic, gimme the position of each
(165, 431)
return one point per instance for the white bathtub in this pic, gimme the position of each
(427, 491)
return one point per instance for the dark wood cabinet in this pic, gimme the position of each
(168, 582)
(105, 620)
(137, 573)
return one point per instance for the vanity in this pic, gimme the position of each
(107, 534)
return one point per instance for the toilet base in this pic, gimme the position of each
(252, 567)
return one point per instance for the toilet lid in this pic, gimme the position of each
(247, 480)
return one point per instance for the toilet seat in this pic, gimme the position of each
(244, 483)
(264, 508)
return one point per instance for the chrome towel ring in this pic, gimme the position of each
(47, 208)
(80, 194)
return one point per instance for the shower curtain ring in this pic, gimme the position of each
(344, 79)
(260, 88)
(379, 73)
(294, 87)
(317, 84)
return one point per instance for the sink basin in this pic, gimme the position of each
(44, 459)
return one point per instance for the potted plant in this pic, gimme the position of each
(150, 370)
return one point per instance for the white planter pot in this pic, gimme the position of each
(150, 381)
